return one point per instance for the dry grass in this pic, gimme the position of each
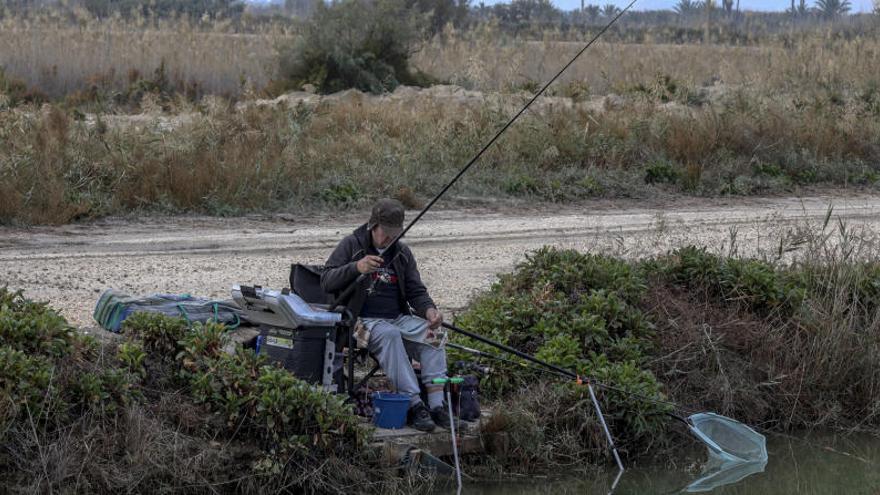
(59, 58)
(489, 61)
(816, 368)
(703, 119)
(345, 151)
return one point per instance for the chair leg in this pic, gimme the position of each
(351, 387)
(372, 373)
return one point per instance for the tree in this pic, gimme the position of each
(610, 10)
(833, 8)
(799, 10)
(441, 12)
(728, 6)
(594, 11)
(363, 44)
(687, 7)
(164, 8)
(299, 8)
(525, 12)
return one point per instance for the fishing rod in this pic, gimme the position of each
(556, 370)
(360, 279)
(344, 295)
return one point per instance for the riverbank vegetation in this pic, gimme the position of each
(786, 341)
(165, 408)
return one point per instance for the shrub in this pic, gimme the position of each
(662, 173)
(572, 273)
(47, 369)
(26, 385)
(632, 399)
(132, 355)
(286, 414)
(577, 311)
(33, 327)
(353, 44)
(345, 193)
(159, 333)
(17, 92)
(754, 283)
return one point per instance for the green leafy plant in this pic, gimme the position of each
(132, 356)
(159, 333)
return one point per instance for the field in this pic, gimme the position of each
(629, 119)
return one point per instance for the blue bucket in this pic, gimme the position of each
(389, 410)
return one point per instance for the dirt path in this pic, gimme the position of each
(459, 251)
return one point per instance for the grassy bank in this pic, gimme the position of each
(664, 136)
(784, 342)
(165, 409)
(778, 345)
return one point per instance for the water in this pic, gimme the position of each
(794, 468)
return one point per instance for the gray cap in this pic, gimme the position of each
(388, 213)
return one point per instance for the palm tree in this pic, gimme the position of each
(610, 10)
(686, 7)
(728, 6)
(592, 12)
(799, 10)
(833, 8)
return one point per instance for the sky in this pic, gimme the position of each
(857, 5)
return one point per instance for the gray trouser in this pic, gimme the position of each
(394, 353)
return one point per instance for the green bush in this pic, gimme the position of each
(286, 414)
(353, 44)
(26, 385)
(580, 312)
(755, 283)
(33, 327)
(159, 333)
(662, 173)
(345, 193)
(573, 273)
(47, 369)
(633, 400)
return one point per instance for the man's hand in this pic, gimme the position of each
(369, 263)
(434, 318)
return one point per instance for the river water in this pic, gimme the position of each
(802, 465)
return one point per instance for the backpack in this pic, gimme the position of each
(114, 307)
(468, 406)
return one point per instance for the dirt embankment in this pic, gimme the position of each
(459, 251)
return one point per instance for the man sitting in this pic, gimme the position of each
(397, 311)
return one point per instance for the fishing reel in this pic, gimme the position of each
(470, 366)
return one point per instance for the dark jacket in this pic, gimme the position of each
(340, 271)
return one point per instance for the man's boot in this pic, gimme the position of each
(420, 418)
(440, 415)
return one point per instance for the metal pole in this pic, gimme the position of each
(562, 371)
(454, 442)
(607, 436)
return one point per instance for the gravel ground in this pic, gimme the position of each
(459, 251)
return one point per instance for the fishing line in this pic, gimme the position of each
(347, 292)
(654, 400)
